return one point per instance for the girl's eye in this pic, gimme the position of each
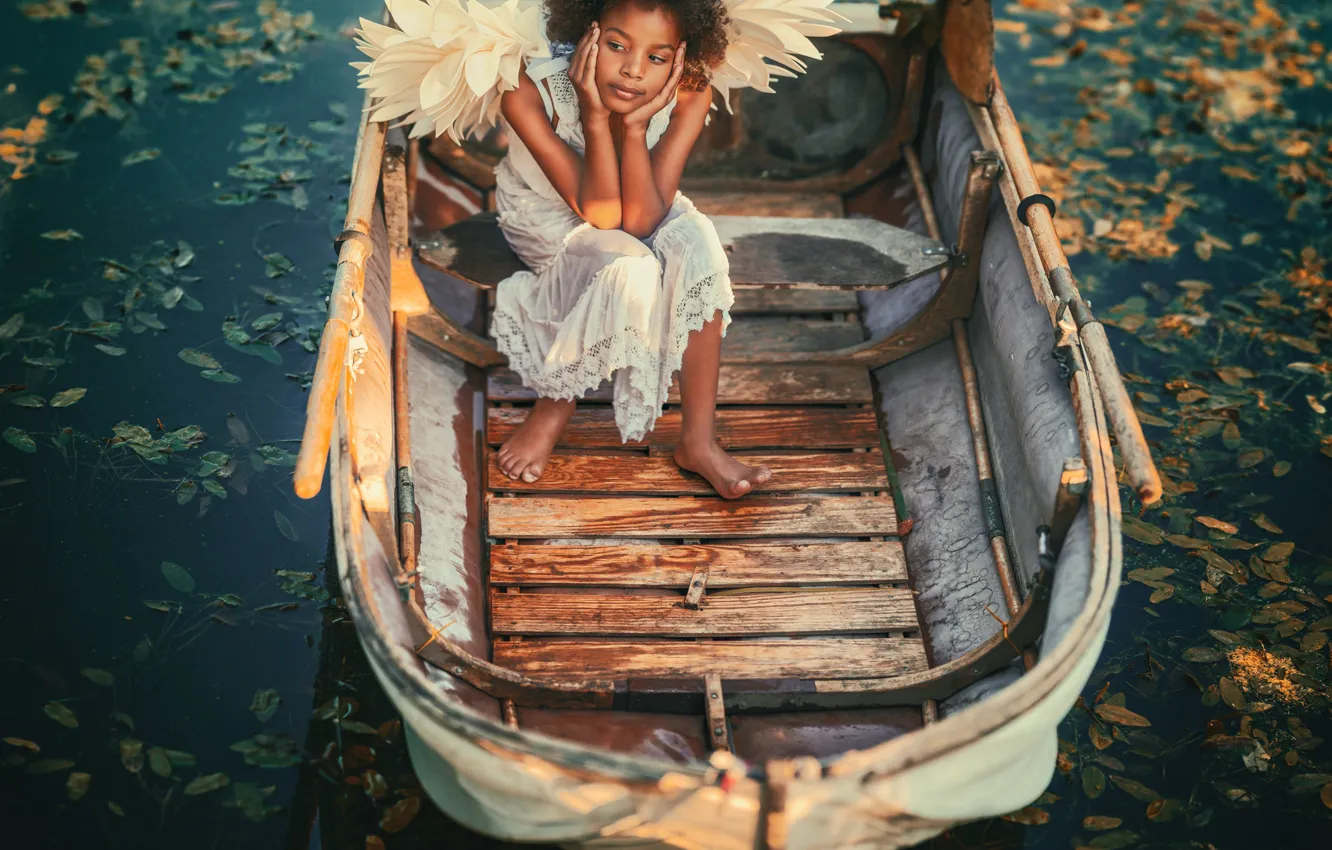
(658, 60)
(614, 45)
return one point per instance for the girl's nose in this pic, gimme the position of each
(632, 67)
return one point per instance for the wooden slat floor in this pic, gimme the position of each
(595, 570)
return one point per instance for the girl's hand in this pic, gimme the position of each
(639, 118)
(583, 75)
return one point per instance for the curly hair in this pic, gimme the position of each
(703, 25)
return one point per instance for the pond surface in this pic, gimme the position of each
(174, 173)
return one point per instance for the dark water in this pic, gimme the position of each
(1226, 343)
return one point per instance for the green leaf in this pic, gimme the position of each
(150, 320)
(178, 577)
(62, 235)
(172, 297)
(98, 677)
(26, 400)
(277, 265)
(158, 605)
(221, 376)
(265, 704)
(214, 488)
(145, 155)
(158, 762)
(92, 308)
(267, 321)
(198, 358)
(77, 785)
(65, 398)
(1093, 781)
(20, 440)
(206, 783)
(284, 526)
(61, 714)
(11, 327)
(113, 350)
(274, 456)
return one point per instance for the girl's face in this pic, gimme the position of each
(634, 54)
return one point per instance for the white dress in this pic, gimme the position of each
(599, 303)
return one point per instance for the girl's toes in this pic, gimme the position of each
(533, 472)
(761, 475)
(740, 487)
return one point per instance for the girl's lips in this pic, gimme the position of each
(624, 93)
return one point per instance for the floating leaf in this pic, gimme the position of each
(131, 754)
(265, 704)
(1143, 532)
(178, 577)
(1093, 781)
(20, 440)
(113, 350)
(1261, 520)
(1160, 811)
(76, 785)
(179, 758)
(1202, 655)
(98, 677)
(1278, 552)
(1120, 716)
(1280, 468)
(65, 398)
(400, 814)
(11, 327)
(1099, 737)
(1135, 789)
(221, 376)
(49, 766)
(145, 155)
(274, 456)
(1251, 458)
(266, 322)
(284, 526)
(1326, 795)
(206, 783)
(61, 714)
(1029, 816)
(374, 842)
(198, 358)
(1231, 693)
(1114, 840)
(26, 400)
(1219, 525)
(277, 265)
(158, 605)
(115, 808)
(159, 762)
(62, 235)
(1100, 823)
(22, 742)
(150, 320)
(216, 489)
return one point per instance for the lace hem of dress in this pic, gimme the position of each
(639, 403)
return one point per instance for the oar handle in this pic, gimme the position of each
(1138, 465)
(344, 307)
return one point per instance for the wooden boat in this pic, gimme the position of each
(612, 657)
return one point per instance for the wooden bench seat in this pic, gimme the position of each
(765, 252)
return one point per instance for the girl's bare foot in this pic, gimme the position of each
(728, 476)
(524, 455)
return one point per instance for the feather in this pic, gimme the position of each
(776, 31)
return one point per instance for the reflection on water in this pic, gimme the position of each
(173, 176)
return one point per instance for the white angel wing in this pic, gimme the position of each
(771, 30)
(446, 66)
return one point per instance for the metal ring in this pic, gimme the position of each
(1038, 198)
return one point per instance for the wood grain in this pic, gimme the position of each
(769, 384)
(794, 301)
(627, 474)
(793, 612)
(772, 334)
(772, 203)
(737, 428)
(729, 565)
(748, 659)
(687, 516)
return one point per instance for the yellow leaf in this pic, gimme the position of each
(1211, 522)
(1120, 716)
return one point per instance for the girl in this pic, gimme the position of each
(627, 277)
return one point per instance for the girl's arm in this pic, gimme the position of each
(590, 185)
(649, 179)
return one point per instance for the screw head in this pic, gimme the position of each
(717, 731)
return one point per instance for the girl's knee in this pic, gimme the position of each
(614, 243)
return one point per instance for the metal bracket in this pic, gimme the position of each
(957, 258)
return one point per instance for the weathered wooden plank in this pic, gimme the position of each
(751, 334)
(849, 253)
(627, 474)
(794, 301)
(748, 659)
(737, 428)
(764, 252)
(793, 612)
(774, 203)
(767, 384)
(729, 564)
(688, 516)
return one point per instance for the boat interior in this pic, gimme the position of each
(893, 359)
